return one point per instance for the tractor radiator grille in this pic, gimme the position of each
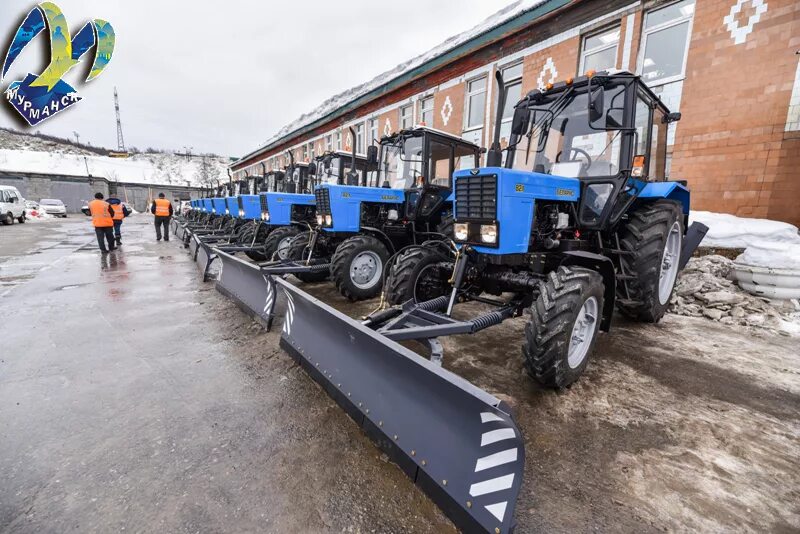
(263, 200)
(323, 200)
(476, 197)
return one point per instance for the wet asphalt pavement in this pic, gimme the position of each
(133, 397)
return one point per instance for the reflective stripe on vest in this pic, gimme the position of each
(100, 217)
(162, 207)
(119, 212)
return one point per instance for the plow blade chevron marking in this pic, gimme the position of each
(244, 282)
(457, 443)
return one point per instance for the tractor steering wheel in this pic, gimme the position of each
(577, 151)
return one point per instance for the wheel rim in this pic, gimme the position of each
(582, 333)
(428, 286)
(365, 269)
(669, 263)
(283, 247)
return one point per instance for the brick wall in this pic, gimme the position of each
(732, 144)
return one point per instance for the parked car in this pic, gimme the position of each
(53, 206)
(12, 205)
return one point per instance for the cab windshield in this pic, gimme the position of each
(401, 162)
(328, 170)
(560, 140)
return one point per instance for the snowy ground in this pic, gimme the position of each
(25, 153)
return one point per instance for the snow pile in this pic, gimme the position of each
(706, 288)
(155, 168)
(730, 231)
(774, 255)
(336, 102)
(36, 215)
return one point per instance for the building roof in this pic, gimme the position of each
(508, 20)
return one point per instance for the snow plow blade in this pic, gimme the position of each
(458, 443)
(202, 254)
(244, 282)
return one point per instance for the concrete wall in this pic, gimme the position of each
(75, 191)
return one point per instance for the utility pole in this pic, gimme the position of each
(120, 138)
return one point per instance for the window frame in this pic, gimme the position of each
(645, 33)
(422, 102)
(583, 53)
(372, 129)
(410, 116)
(467, 98)
(359, 140)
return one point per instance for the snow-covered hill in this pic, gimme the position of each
(21, 152)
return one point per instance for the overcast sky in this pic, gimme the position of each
(223, 76)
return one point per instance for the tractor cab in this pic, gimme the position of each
(608, 130)
(293, 201)
(336, 167)
(412, 182)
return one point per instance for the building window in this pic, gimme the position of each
(373, 131)
(338, 140)
(360, 138)
(599, 50)
(476, 103)
(313, 152)
(512, 77)
(665, 42)
(328, 143)
(406, 119)
(305, 152)
(426, 111)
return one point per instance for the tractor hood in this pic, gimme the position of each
(279, 206)
(343, 204)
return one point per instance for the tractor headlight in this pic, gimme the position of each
(241, 213)
(461, 231)
(265, 216)
(320, 220)
(489, 233)
(227, 211)
(213, 210)
(328, 220)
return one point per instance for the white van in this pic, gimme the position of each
(12, 205)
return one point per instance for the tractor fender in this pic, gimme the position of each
(605, 267)
(667, 190)
(380, 236)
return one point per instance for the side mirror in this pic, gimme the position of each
(312, 168)
(519, 124)
(596, 104)
(372, 155)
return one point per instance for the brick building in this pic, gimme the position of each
(730, 66)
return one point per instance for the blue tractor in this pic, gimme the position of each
(573, 218)
(362, 220)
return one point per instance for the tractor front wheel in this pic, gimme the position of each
(276, 247)
(652, 240)
(357, 267)
(298, 251)
(418, 274)
(563, 325)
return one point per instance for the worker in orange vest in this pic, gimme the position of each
(162, 209)
(103, 222)
(120, 212)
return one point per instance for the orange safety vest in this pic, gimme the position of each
(119, 212)
(100, 216)
(162, 207)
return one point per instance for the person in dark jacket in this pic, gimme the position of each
(120, 212)
(103, 221)
(162, 209)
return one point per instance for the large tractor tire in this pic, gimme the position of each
(563, 325)
(357, 267)
(298, 251)
(652, 239)
(415, 275)
(276, 247)
(246, 238)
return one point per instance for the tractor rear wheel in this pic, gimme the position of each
(276, 247)
(357, 267)
(415, 274)
(652, 239)
(298, 251)
(563, 325)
